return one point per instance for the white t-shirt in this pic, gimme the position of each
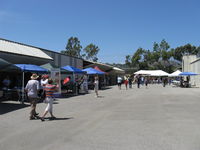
(96, 84)
(32, 88)
(44, 82)
(119, 80)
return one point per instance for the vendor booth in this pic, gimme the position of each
(73, 84)
(28, 68)
(91, 72)
(186, 83)
(8, 78)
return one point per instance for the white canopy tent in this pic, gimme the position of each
(159, 73)
(143, 72)
(152, 73)
(175, 74)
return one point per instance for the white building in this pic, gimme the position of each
(191, 63)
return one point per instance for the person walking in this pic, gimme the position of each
(44, 80)
(130, 82)
(96, 85)
(32, 88)
(49, 90)
(138, 81)
(119, 82)
(126, 82)
(164, 82)
(85, 83)
(43, 83)
(146, 81)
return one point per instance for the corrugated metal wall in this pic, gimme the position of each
(63, 60)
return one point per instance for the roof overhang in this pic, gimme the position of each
(22, 59)
(15, 48)
(104, 67)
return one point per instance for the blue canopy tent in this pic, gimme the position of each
(188, 74)
(73, 69)
(29, 68)
(92, 71)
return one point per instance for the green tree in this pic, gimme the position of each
(73, 47)
(158, 58)
(164, 46)
(90, 52)
(156, 52)
(128, 60)
(137, 58)
(183, 50)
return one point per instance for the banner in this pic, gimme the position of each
(56, 76)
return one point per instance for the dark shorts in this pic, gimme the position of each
(119, 84)
(33, 100)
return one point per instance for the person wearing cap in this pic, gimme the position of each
(43, 83)
(44, 80)
(32, 89)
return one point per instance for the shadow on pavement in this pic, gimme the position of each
(106, 88)
(67, 95)
(100, 96)
(8, 107)
(57, 118)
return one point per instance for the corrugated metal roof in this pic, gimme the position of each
(17, 48)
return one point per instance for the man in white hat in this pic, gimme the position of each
(32, 89)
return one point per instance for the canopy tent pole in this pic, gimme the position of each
(104, 80)
(23, 92)
(76, 91)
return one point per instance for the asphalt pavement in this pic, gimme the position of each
(153, 118)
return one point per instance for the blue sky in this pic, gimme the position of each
(117, 27)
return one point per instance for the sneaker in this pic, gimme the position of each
(42, 119)
(36, 114)
(31, 118)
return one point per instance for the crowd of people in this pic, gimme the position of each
(128, 81)
(43, 88)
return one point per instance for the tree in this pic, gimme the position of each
(183, 50)
(91, 52)
(158, 58)
(73, 47)
(156, 52)
(128, 60)
(164, 46)
(137, 57)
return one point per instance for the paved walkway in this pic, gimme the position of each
(156, 118)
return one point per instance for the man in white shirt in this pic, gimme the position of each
(119, 82)
(32, 89)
